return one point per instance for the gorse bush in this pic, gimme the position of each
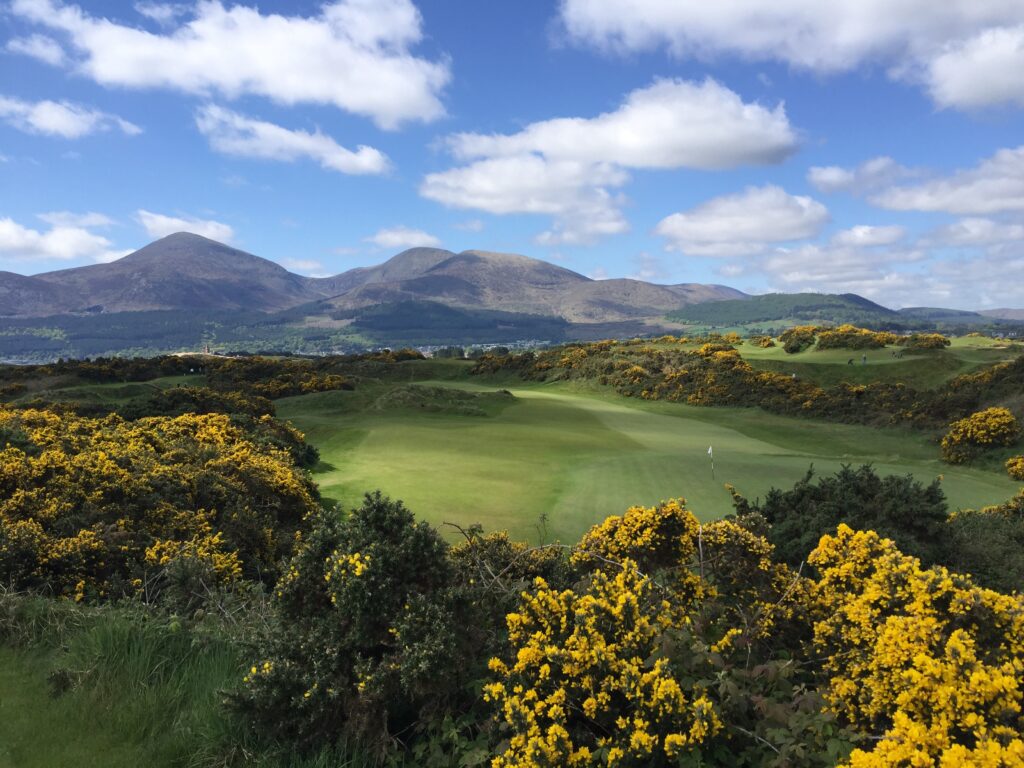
(798, 339)
(655, 641)
(369, 632)
(852, 337)
(1015, 467)
(106, 508)
(990, 428)
(922, 341)
(923, 657)
(896, 507)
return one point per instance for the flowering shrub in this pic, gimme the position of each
(925, 341)
(1015, 467)
(92, 508)
(580, 689)
(989, 428)
(655, 641)
(367, 632)
(798, 338)
(923, 657)
(852, 337)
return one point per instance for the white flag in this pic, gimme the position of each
(709, 451)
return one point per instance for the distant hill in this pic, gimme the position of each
(786, 307)
(181, 271)
(184, 291)
(1003, 314)
(188, 272)
(774, 311)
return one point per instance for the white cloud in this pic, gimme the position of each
(59, 243)
(744, 223)
(158, 225)
(950, 46)
(978, 231)
(64, 119)
(870, 175)
(868, 236)
(403, 237)
(571, 168)
(355, 55)
(41, 47)
(471, 225)
(89, 220)
(161, 13)
(669, 124)
(576, 194)
(980, 71)
(995, 185)
(235, 134)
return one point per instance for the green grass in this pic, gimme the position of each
(925, 370)
(578, 456)
(106, 687)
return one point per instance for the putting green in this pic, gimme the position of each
(578, 457)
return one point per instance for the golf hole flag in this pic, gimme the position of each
(710, 452)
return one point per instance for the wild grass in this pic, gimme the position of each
(123, 687)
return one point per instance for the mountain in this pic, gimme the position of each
(774, 311)
(181, 271)
(186, 272)
(787, 308)
(1003, 314)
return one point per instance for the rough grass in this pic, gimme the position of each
(108, 687)
(921, 370)
(571, 457)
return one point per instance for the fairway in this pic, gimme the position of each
(578, 457)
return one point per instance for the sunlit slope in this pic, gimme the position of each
(576, 457)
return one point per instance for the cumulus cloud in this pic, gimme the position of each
(41, 47)
(977, 231)
(950, 46)
(403, 237)
(61, 118)
(576, 194)
(870, 175)
(868, 236)
(355, 55)
(995, 185)
(572, 168)
(59, 243)
(235, 134)
(669, 124)
(744, 223)
(158, 225)
(981, 70)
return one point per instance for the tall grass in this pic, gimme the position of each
(150, 683)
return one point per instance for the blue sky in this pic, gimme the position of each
(873, 146)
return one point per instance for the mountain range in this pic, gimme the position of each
(186, 292)
(187, 272)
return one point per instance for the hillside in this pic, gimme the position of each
(192, 273)
(775, 311)
(781, 307)
(185, 291)
(181, 271)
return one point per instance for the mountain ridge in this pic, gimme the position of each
(184, 271)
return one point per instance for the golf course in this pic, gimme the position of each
(550, 460)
